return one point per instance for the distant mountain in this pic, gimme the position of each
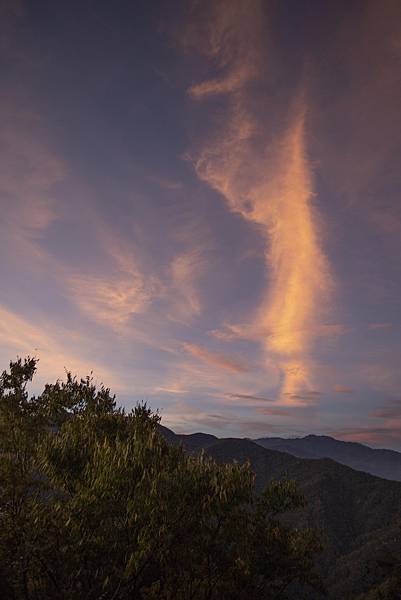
(357, 514)
(191, 442)
(382, 463)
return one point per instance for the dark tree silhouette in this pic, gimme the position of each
(95, 504)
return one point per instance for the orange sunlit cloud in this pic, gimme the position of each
(276, 194)
(217, 360)
(111, 300)
(218, 222)
(57, 351)
(342, 389)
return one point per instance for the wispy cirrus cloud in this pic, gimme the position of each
(186, 270)
(186, 418)
(271, 187)
(110, 300)
(121, 290)
(249, 397)
(309, 396)
(273, 412)
(58, 349)
(29, 171)
(207, 279)
(216, 359)
(380, 326)
(230, 37)
(377, 436)
(343, 389)
(389, 411)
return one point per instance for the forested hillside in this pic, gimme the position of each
(96, 503)
(357, 515)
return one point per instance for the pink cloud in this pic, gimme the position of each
(384, 326)
(57, 349)
(341, 389)
(249, 397)
(273, 412)
(216, 360)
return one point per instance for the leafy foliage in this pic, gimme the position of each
(95, 504)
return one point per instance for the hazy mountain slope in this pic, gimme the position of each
(346, 503)
(355, 512)
(382, 463)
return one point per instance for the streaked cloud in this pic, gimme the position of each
(57, 349)
(186, 271)
(187, 419)
(220, 233)
(376, 436)
(342, 389)
(29, 171)
(277, 412)
(231, 38)
(309, 396)
(111, 300)
(119, 292)
(389, 411)
(249, 397)
(383, 326)
(217, 360)
(272, 189)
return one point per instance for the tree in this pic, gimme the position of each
(95, 504)
(386, 568)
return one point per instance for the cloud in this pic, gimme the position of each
(381, 377)
(18, 336)
(308, 396)
(271, 187)
(128, 286)
(229, 35)
(231, 83)
(230, 332)
(299, 272)
(391, 411)
(341, 389)
(215, 359)
(171, 390)
(377, 436)
(280, 412)
(29, 171)
(249, 397)
(113, 299)
(185, 418)
(110, 300)
(383, 326)
(186, 270)
(166, 184)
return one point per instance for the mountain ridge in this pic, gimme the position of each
(356, 513)
(380, 462)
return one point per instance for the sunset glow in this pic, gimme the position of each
(200, 203)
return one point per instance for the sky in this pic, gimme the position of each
(201, 204)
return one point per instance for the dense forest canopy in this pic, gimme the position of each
(94, 504)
